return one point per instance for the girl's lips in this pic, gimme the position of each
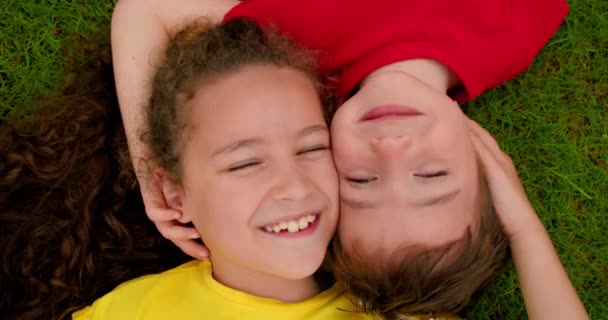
(391, 111)
(310, 229)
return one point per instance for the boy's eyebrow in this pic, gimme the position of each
(359, 204)
(236, 145)
(439, 199)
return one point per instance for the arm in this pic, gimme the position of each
(140, 29)
(547, 290)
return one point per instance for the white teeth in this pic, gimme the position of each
(292, 225)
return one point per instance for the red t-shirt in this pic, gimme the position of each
(485, 42)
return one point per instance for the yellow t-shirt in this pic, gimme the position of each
(190, 292)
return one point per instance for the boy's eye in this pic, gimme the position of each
(314, 149)
(363, 180)
(242, 166)
(432, 174)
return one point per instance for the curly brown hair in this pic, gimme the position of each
(72, 220)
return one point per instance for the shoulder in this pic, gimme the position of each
(126, 300)
(146, 285)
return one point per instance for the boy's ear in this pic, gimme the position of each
(172, 193)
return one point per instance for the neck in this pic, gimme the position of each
(431, 72)
(264, 285)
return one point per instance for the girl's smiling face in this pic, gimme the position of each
(257, 175)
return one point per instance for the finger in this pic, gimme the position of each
(176, 232)
(488, 161)
(193, 249)
(183, 219)
(149, 186)
(492, 146)
(497, 174)
(487, 139)
(152, 199)
(156, 205)
(157, 214)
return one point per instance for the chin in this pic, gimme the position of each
(302, 268)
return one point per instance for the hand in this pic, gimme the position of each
(508, 195)
(167, 221)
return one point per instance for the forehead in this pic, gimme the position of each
(393, 225)
(252, 98)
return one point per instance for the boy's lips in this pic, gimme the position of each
(390, 111)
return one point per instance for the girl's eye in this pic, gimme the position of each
(429, 175)
(362, 180)
(314, 149)
(242, 166)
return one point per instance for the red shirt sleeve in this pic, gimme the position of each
(540, 20)
(484, 42)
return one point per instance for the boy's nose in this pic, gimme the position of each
(390, 145)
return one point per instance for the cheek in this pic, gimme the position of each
(220, 211)
(346, 144)
(347, 228)
(462, 153)
(451, 134)
(348, 149)
(325, 178)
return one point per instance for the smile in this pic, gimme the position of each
(298, 225)
(390, 111)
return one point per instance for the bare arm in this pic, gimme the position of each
(140, 30)
(547, 290)
(137, 39)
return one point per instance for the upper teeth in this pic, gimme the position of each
(292, 225)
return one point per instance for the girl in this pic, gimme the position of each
(252, 171)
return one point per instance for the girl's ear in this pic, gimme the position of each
(172, 193)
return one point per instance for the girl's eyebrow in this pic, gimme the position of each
(312, 129)
(237, 145)
(258, 140)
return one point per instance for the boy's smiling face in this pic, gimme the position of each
(408, 171)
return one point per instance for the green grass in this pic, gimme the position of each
(35, 38)
(553, 121)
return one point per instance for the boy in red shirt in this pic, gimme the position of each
(416, 221)
(412, 195)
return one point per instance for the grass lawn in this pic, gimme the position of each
(553, 121)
